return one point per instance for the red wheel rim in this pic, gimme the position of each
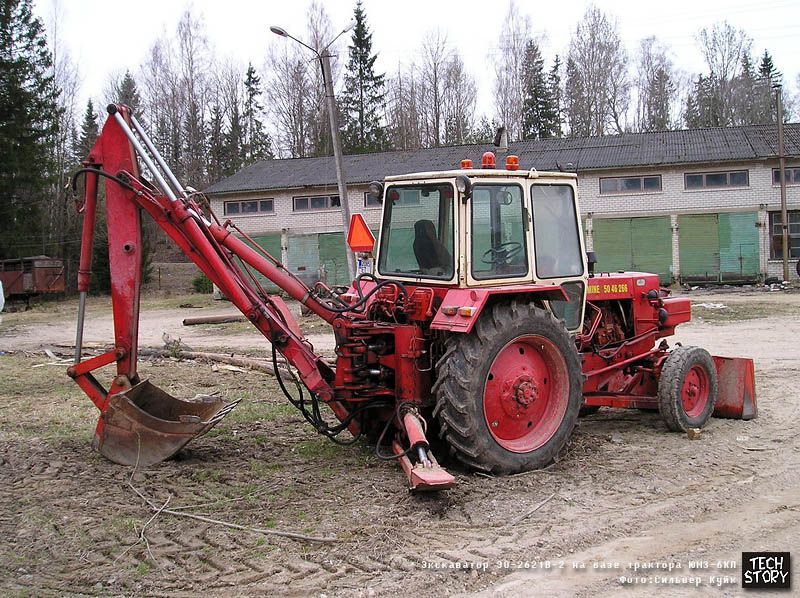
(526, 393)
(695, 391)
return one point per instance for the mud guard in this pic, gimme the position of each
(146, 425)
(736, 396)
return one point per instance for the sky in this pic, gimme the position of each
(103, 40)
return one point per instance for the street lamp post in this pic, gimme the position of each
(782, 166)
(325, 64)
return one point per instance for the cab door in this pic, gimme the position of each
(497, 239)
(559, 256)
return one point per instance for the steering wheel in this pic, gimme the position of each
(502, 254)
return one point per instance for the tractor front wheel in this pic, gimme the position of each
(508, 394)
(687, 388)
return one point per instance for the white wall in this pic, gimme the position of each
(760, 196)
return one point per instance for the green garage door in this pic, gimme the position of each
(302, 257)
(638, 244)
(718, 247)
(699, 247)
(612, 244)
(272, 245)
(738, 247)
(332, 255)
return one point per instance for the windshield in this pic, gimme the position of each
(417, 232)
(498, 232)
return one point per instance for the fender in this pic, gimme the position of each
(461, 308)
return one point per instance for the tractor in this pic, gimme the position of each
(480, 320)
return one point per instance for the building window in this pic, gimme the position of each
(776, 235)
(792, 176)
(371, 202)
(630, 184)
(316, 202)
(717, 180)
(250, 206)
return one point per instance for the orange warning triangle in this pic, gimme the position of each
(359, 237)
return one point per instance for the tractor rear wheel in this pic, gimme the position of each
(508, 394)
(687, 388)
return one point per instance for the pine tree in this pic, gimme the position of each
(216, 144)
(88, 134)
(483, 132)
(746, 92)
(659, 95)
(554, 87)
(764, 110)
(128, 93)
(767, 70)
(28, 111)
(101, 275)
(362, 100)
(257, 142)
(703, 107)
(539, 114)
(233, 142)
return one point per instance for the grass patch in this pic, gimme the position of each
(206, 475)
(318, 448)
(142, 569)
(265, 469)
(251, 412)
(736, 312)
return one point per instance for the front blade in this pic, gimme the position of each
(736, 397)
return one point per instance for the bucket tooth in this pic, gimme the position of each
(145, 425)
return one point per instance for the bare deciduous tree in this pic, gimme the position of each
(62, 224)
(290, 92)
(436, 56)
(724, 49)
(320, 32)
(194, 62)
(403, 110)
(163, 101)
(509, 71)
(458, 105)
(656, 87)
(597, 89)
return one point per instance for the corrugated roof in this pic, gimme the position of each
(731, 144)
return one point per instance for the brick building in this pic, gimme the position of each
(692, 205)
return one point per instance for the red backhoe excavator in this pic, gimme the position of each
(482, 315)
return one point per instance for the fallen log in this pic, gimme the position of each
(243, 362)
(223, 319)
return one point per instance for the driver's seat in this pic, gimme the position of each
(428, 249)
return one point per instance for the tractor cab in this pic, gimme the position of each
(487, 227)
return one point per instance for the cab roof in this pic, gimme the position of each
(481, 173)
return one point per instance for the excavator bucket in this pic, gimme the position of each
(145, 425)
(736, 396)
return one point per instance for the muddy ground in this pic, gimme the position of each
(626, 493)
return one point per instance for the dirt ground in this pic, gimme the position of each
(627, 509)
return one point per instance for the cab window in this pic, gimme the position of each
(499, 249)
(417, 233)
(555, 231)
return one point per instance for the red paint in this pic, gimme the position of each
(478, 297)
(695, 391)
(526, 394)
(385, 344)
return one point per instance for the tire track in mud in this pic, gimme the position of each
(68, 515)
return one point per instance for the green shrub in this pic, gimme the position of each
(202, 284)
